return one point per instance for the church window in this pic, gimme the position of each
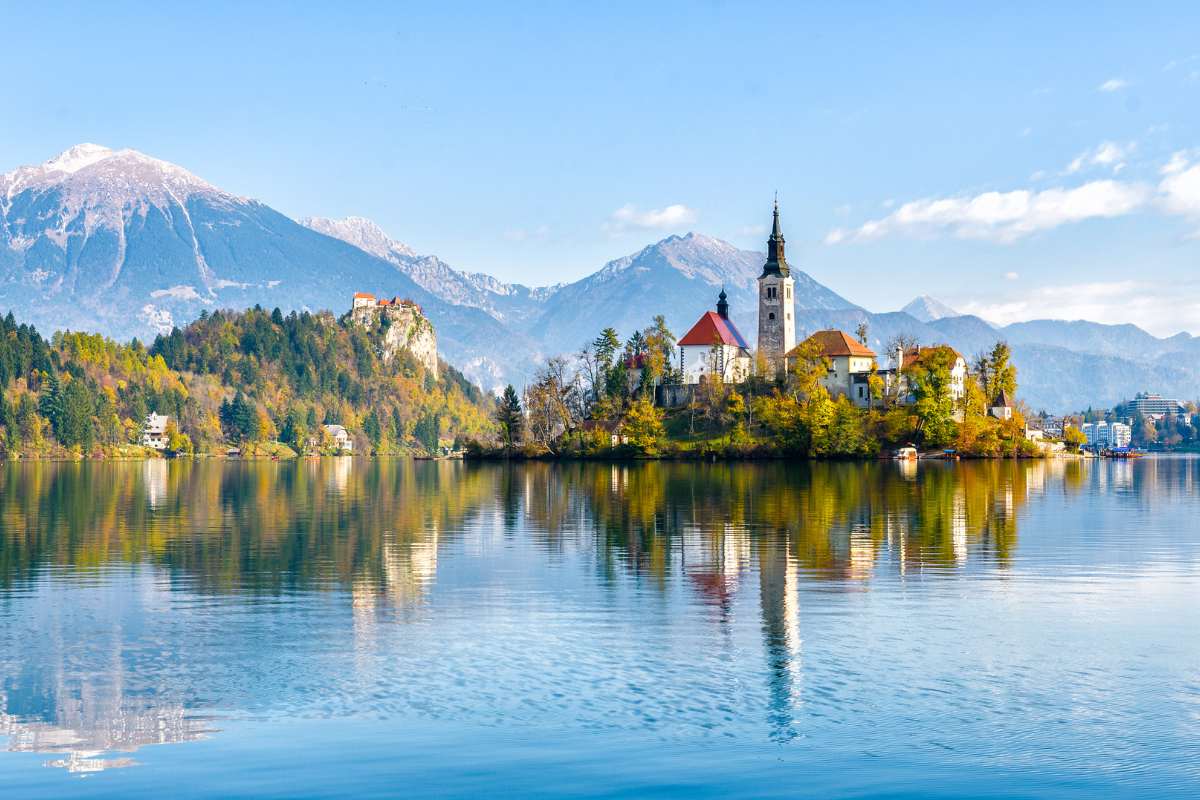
(771, 315)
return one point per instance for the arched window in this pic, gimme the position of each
(771, 315)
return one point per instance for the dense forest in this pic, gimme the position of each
(240, 379)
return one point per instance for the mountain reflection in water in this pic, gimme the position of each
(154, 603)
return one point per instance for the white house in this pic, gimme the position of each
(714, 346)
(341, 438)
(850, 364)
(1002, 406)
(154, 431)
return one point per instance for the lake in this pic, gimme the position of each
(390, 628)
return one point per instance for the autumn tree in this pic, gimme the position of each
(551, 403)
(643, 426)
(930, 380)
(807, 367)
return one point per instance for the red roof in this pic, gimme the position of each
(919, 353)
(363, 296)
(837, 343)
(712, 329)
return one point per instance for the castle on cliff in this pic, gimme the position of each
(406, 328)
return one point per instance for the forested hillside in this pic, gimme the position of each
(85, 394)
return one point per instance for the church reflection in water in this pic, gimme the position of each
(113, 574)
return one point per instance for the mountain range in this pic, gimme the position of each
(121, 243)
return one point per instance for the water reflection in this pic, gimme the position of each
(112, 577)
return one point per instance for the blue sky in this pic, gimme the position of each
(1018, 162)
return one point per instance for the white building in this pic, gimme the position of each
(1002, 406)
(850, 364)
(714, 346)
(1156, 406)
(341, 438)
(154, 431)
(1107, 435)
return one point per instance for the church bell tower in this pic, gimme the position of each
(776, 316)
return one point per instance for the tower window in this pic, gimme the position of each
(772, 292)
(771, 315)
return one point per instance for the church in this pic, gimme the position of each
(714, 346)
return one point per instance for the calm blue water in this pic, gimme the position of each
(378, 628)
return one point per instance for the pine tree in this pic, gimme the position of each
(427, 432)
(372, 428)
(50, 402)
(509, 417)
(605, 346)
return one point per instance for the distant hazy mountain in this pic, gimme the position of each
(128, 245)
(503, 301)
(927, 309)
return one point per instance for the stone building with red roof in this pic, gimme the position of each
(714, 346)
(850, 364)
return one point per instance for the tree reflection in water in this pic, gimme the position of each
(373, 535)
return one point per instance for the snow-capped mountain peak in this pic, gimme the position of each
(76, 158)
(362, 233)
(928, 309)
(91, 173)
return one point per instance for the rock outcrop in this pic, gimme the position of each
(403, 328)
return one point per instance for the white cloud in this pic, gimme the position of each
(628, 217)
(1105, 154)
(1179, 191)
(1002, 216)
(1113, 85)
(1163, 308)
(1012, 276)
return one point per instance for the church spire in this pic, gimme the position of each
(776, 260)
(723, 304)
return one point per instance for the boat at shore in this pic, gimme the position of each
(1122, 452)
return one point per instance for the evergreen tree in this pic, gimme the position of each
(427, 432)
(509, 417)
(373, 429)
(605, 346)
(75, 428)
(50, 403)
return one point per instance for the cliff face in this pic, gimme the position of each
(404, 328)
